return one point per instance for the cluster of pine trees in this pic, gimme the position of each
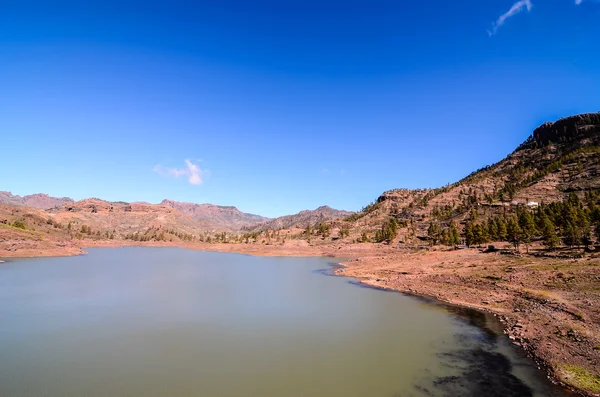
(446, 236)
(388, 232)
(571, 222)
(158, 234)
(344, 231)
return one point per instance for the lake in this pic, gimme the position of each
(173, 322)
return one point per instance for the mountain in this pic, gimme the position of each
(39, 200)
(122, 219)
(225, 216)
(303, 219)
(559, 158)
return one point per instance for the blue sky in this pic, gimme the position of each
(279, 106)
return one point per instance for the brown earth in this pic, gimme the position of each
(24, 243)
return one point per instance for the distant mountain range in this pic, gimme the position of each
(39, 200)
(227, 216)
(303, 219)
(127, 218)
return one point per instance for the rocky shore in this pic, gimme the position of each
(549, 307)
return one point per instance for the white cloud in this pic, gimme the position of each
(193, 173)
(514, 10)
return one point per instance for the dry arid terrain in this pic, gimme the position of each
(518, 238)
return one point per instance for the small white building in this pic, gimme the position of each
(532, 204)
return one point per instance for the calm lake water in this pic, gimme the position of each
(173, 322)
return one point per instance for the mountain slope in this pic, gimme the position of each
(303, 219)
(39, 200)
(557, 159)
(225, 216)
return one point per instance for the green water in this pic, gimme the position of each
(173, 322)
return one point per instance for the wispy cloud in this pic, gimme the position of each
(514, 10)
(193, 173)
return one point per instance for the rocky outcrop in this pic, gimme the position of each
(564, 130)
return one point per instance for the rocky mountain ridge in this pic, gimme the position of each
(558, 158)
(302, 219)
(227, 216)
(169, 220)
(39, 200)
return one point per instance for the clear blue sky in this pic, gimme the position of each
(282, 105)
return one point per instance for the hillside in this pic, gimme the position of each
(39, 200)
(556, 160)
(303, 219)
(224, 216)
(92, 220)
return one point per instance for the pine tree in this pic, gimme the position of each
(528, 228)
(493, 229)
(433, 232)
(364, 238)
(584, 226)
(549, 233)
(443, 237)
(513, 231)
(480, 234)
(454, 234)
(502, 233)
(392, 230)
(469, 236)
(571, 235)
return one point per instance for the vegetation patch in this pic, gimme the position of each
(365, 211)
(494, 278)
(580, 378)
(19, 225)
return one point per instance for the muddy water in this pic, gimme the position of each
(173, 322)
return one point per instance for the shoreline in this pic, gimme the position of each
(526, 349)
(515, 322)
(463, 278)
